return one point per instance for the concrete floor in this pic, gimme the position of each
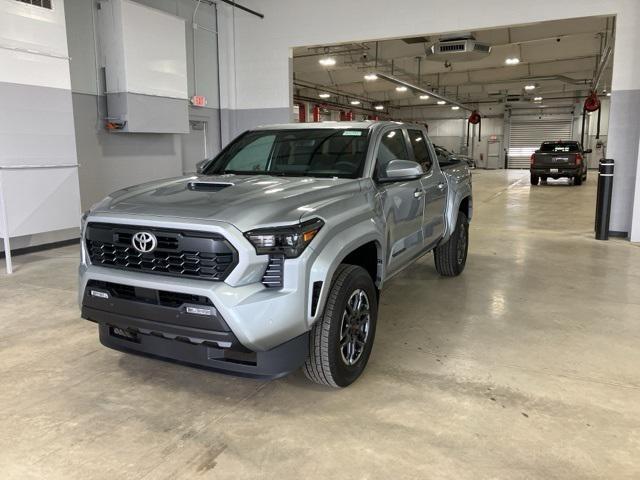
(526, 366)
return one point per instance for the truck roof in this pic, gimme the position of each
(331, 124)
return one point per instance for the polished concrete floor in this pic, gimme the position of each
(526, 366)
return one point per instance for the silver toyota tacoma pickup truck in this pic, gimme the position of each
(273, 256)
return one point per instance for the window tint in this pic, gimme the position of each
(420, 149)
(321, 152)
(560, 147)
(254, 157)
(392, 147)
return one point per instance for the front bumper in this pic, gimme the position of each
(161, 324)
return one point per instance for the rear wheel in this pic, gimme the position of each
(451, 257)
(534, 179)
(577, 180)
(341, 341)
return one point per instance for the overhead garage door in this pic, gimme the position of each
(525, 138)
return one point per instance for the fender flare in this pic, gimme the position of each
(331, 255)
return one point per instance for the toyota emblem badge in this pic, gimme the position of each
(144, 242)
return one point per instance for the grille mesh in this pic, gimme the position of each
(183, 254)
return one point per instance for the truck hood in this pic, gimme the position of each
(246, 201)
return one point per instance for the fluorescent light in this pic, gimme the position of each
(537, 99)
(401, 89)
(324, 95)
(512, 61)
(327, 61)
(455, 107)
(441, 102)
(391, 134)
(370, 77)
(355, 102)
(424, 97)
(529, 87)
(379, 107)
(608, 94)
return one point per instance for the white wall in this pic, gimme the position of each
(38, 164)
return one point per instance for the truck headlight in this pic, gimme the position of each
(289, 241)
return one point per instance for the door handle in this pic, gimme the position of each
(419, 193)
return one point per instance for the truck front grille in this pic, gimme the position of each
(202, 255)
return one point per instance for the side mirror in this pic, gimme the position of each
(588, 150)
(402, 170)
(201, 165)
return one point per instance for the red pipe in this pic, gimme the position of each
(316, 113)
(302, 112)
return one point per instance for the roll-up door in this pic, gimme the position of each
(525, 138)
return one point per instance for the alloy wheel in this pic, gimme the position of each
(355, 326)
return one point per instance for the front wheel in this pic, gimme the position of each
(451, 257)
(341, 341)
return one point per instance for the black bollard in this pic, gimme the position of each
(603, 202)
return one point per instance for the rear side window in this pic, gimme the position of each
(392, 147)
(420, 149)
(559, 148)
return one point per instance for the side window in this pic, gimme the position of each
(254, 156)
(392, 147)
(420, 149)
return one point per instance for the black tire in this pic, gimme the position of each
(534, 179)
(577, 180)
(451, 257)
(329, 359)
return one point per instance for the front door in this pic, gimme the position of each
(402, 201)
(435, 188)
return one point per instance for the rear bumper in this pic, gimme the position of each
(171, 333)
(565, 171)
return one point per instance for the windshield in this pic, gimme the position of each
(320, 152)
(559, 148)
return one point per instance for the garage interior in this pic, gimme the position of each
(525, 366)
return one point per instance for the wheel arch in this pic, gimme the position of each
(366, 252)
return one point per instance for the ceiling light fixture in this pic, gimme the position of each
(379, 107)
(608, 94)
(537, 99)
(327, 61)
(512, 61)
(441, 102)
(529, 87)
(424, 97)
(455, 107)
(355, 102)
(401, 89)
(370, 77)
(324, 95)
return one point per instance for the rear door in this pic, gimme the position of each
(402, 202)
(434, 186)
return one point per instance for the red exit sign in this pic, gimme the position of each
(198, 100)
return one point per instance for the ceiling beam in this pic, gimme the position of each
(418, 89)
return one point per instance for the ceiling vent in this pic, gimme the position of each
(458, 49)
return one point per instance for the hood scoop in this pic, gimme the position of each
(210, 187)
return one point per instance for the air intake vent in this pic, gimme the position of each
(462, 48)
(207, 186)
(451, 47)
(274, 275)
